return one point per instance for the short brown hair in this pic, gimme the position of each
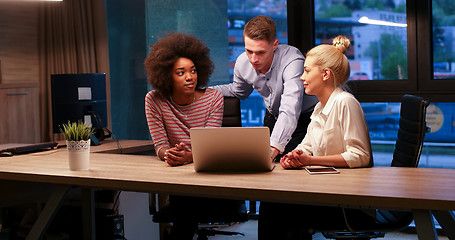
(165, 52)
(260, 28)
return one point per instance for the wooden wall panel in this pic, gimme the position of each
(19, 50)
(19, 119)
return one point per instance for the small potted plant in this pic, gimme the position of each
(77, 137)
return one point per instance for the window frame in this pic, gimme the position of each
(301, 30)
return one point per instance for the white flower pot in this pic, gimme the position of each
(78, 154)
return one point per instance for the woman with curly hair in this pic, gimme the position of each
(178, 65)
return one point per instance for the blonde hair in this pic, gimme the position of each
(332, 57)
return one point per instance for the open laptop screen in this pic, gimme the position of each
(231, 149)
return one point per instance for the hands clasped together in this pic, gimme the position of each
(295, 159)
(177, 155)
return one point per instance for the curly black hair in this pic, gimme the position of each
(165, 52)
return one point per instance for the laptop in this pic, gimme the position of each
(231, 149)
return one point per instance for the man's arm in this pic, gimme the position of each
(290, 105)
(239, 88)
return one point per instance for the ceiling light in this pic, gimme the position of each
(31, 1)
(379, 22)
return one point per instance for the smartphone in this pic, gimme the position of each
(321, 170)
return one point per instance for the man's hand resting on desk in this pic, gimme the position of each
(274, 152)
(177, 155)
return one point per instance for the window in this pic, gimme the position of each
(379, 25)
(443, 39)
(207, 20)
(410, 71)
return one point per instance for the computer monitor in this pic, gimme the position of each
(79, 97)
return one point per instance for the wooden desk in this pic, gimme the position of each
(421, 190)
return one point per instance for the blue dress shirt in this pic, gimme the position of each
(281, 88)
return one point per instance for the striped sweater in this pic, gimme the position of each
(170, 123)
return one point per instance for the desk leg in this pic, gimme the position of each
(253, 207)
(424, 222)
(88, 214)
(48, 212)
(447, 221)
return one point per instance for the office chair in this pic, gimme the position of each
(211, 221)
(408, 146)
(231, 114)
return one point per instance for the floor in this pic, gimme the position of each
(249, 229)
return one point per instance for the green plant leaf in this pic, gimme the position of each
(76, 131)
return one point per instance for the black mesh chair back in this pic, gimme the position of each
(408, 147)
(231, 114)
(411, 132)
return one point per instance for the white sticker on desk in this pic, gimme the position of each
(84, 93)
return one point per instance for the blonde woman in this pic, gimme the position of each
(337, 136)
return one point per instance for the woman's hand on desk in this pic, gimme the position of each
(295, 159)
(177, 155)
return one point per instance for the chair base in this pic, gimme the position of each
(204, 233)
(356, 235)
(206, 230)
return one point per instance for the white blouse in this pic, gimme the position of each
(339, 128)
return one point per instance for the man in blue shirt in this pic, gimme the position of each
(274, 71)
